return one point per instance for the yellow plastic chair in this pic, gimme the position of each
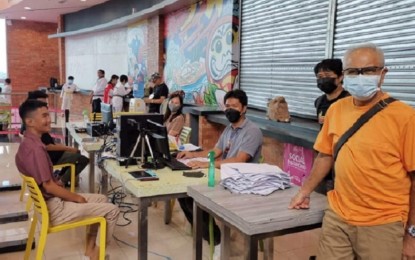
(41, 213)
(185, 135)
(55, 167)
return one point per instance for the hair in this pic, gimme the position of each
(8, 81)
(71, 78)
(113, 77)
(102, 72)
(123, 78)
(178, 94)
(29, 106)
(238, 94)
(334, 65)
(368, 45)
(37, 94)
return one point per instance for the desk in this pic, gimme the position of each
(171, 185)
(91, 148)
(256, 217)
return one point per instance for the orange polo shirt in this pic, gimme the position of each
(372, 183)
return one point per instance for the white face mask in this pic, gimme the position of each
(362, 87)
(70, 82)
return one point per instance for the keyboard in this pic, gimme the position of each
(175, 165)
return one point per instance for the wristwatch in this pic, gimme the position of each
(411, 230)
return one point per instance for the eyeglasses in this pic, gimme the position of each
(364, 71)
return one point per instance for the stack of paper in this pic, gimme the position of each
(252, 178)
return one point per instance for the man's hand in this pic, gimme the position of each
(184, 155)
(80, 199)
(198, 164)
(408, 252)
(72, 149)
(300, 201)
(146, 100)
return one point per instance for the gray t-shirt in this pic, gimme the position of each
(246, 138)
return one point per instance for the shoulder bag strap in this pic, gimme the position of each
(360, 122)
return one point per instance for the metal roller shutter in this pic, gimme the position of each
(390, 25)
(281, 41)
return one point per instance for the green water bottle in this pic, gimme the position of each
(211, 170)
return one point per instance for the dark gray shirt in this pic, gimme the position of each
(246, 138)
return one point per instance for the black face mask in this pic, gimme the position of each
(232, 115)
(327, 85)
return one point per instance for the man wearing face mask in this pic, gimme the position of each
(371, 213)
(241, 141)
(159, 94)
(329, 74)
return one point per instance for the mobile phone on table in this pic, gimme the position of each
(193, 174)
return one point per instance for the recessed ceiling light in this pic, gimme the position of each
(83, 0)
(23, 17)
(28, 8)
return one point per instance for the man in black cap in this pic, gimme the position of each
(160, 93)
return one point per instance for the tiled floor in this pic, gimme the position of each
(171, 241)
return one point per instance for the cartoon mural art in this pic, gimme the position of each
(202, 50)
(137, 57)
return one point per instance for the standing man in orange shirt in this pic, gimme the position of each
(371, 213)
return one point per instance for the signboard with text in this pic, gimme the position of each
(297, 162)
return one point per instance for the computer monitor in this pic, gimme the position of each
(107, 117)
(128, 132)
(159, 140)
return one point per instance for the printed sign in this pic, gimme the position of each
(297, 162)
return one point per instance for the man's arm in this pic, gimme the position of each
(60, 147)
(189, 155)
(52, 188)
(408, 251)
(241, 157)
(321, 167)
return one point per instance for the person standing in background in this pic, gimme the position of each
(7, 89)
(66, 94)
(121, 89)
(98, 92)
(109, 89)
(67, 90)
(160, 93)
(329, 74)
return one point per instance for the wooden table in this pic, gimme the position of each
(256, 217)
(91, 147)
(171, 185)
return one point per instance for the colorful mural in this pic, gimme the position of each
(137, 57)
(202, 50)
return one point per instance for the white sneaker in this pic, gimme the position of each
(216, 253)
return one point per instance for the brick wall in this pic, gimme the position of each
(155, 38)
(32, 57)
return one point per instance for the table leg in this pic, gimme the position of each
(70, 140)
(225, 245)
(251, 245)
(167, 212)
(91, 172)
(269, 248)
(197, 232)
(104, 181)
(142, 228)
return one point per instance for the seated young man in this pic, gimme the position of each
(59, 153)
(241, 141)
(64, 206)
